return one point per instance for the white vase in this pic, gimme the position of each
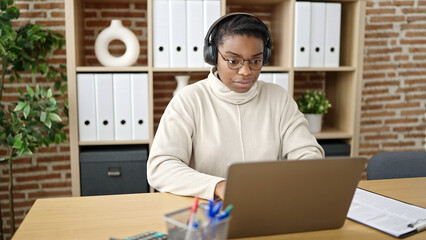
(182, 81)
(315, 122)
(116, 31)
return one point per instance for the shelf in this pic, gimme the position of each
(183, 69)
(98, 143)
(325, 69)
(253, 1)
(111, 69)
(328, 132)
(275, 69)
(342, 85)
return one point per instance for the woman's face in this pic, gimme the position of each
(242, 46)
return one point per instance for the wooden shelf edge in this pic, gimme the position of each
(328, 132)
(325, 69)
(182, 69)
(275, 69)
(112, 69)
(100, 143)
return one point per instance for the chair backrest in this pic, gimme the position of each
(404, 164)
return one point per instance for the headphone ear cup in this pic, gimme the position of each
(266, 56)
(210, 54)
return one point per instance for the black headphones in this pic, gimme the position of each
(210, 49)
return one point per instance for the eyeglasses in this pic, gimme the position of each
(236, 63)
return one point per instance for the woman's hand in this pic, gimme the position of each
(219, 190)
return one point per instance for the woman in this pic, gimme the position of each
(228, 117)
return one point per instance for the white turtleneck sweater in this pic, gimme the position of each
(207, 126)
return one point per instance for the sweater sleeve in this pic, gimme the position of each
(298, 141)
(168, 167)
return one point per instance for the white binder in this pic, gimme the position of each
(140, 120)
(317, 34)
(195, 28)
(177, 24)
(104, 107)
(122, 106)
(86, 106)
(161, 33)
(266, 77)
(211, 14)
(281, 79)
(332, 34)
(302, 28)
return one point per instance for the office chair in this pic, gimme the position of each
(404, 164)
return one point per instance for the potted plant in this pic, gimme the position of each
(314, 105)
(34, 120)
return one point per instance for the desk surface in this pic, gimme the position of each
(101, 217)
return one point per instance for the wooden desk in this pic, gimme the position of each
(122, 216)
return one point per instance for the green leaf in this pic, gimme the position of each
(49, 93)
(52, 108)
(27, 110)
(48, 123)
(20, 106)
(43, 92)
(57, 138)
(30, 91)
(43, 117)
(10, 140)
(37, 92)
(17, 143)
(54, 117)
(52, 100)
(43, 68)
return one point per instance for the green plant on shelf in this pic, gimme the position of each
(313, 102)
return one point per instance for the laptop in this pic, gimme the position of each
(277, 197)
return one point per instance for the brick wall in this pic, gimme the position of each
(393, 95)
(393, 116)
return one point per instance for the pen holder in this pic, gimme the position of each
(178, 229)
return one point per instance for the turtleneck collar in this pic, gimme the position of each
(224, 93)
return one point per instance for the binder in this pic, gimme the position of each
(302, 28)
(266, 77)
(195, 30)
(332, 34)
(177, 24)
(281, 79)
(161, 33)
(211, 10)
(122, 106)
(317, 43)
(104, 107)
(140, 120)
(86, 106)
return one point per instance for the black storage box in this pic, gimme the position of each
(113, 170)
(334, 148)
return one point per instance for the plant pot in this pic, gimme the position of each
(315, 122)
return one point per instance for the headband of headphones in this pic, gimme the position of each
(210, 50)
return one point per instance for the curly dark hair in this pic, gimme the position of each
(240, 25)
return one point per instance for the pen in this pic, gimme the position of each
(225, 213)
(191, 218)
(419, 228)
